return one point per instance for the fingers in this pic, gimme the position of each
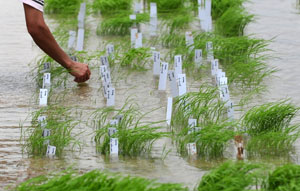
(85, 77)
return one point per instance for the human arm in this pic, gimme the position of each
(42, 36)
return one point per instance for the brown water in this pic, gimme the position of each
(275, 18)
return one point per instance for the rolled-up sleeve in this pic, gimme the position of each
(38, 4)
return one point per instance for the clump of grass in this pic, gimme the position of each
(135, 59)
(109, 7)
(61, 125)
(62, 6)
(211, 140)
(120, 24)
(164, 6)
(219, 7)
(205, 106)
(243, 58)
(284, 178)
(172, 40)
(270, 117)
(232, 176)
(270, 130)
(135, 136)
(233, 22)
(95, 180)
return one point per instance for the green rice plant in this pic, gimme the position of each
(219, 7)
(284, 178)
(164, 6)
(233, 22)
(178, 22)
(61, 125)
(211, 140)
(62, 6)
(120, 24)
(95, 180)
(172, 40)
(109, 7)
(135, 59)
(235, 176)
(205, 106)
(135, 136)
(243, 58)
(270, 117)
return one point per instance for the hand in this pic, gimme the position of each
(80, 71)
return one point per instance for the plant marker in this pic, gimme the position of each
(153, 26)
(110, 97)
(114, 146)
(210, 51)
(178, 65)
(104, 61)
(42, 121)
(110, 49)
(173, 83)
(47, 81)
(230, 110)
(181, 84)
(192, 149)
(189, 40)
(46, 67)
(169, 110)
(43, 97)
(72, 40)
(51, 150)
(133, 33)
(214, 67)
(81, 15)
(192, 122)
(138, 40)
(138, 7)
(46, 132)
(153, 10)
(119, 118)
(163, 76)
(198, 57)
(156, 63)
(112, 131)
(114, 122)
(80, 40)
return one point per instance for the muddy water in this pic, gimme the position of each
(274, 18)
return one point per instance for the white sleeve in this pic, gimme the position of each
(38, 4)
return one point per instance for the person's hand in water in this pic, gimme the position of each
(80, 71)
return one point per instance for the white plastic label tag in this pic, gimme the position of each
(114, 146)
(153, 26)
(189, 40)
(42, 121)
(173, 83)
(112, 131)
(156, 63)
(119, 118)
(106, 86)
(138, 40)
(43, 97)
(46, 133)
(192, 122)
(110, 97)
(153, 10)
(46, 67)
(132, 17)
(210, 51)
(47, 81)
(181, 84)
(224, 93)
(104, 61)
(230, 110)
(80, 39)
(214, 67)
(163, 76)
(198, 57)
(178, 64)
(133, 33)
(110, 49)
(169, 110)
(114, 122)
(192, 148)
(72, 40)
(51, 150)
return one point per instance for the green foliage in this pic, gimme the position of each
(234, 176)
(61, 125)
(135, 136)
(219, 7)
(284, 178)
(95, 180)
(168, 5)
(62, 6)
(233, 22)
(135, 59)
(172, 40)
(109, 7)
(270, 117)
(243, 58)
(120, 24)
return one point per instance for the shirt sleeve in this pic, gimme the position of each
(38, 4)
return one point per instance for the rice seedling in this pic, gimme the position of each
(135, 59)
(59, 122)
(172, 40)
(232, 176)
(270, 129)
(109, 7)
(204, 106)
(233, 22)
(284, 178)
(219, 7)
(135, 136)
(270, 117)
(120, 24)
(211, 140)
(95, 180)
(243, 58)
(164, 6)
(65, 7)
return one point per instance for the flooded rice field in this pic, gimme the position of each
(275, 20)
